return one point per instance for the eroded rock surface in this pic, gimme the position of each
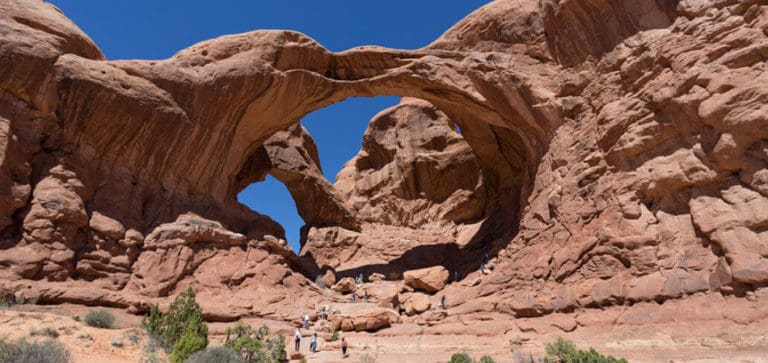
(611, 152)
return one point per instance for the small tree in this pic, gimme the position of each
(181, 330)
(189, 343)
(460, 358)
(486, 359)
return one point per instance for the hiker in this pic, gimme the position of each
(343, 348)
(482, 268)
(366, 295)
(324, 312)
(306, 321)
(354, 297)
(297, 340)
(442, 302)
(313, 343)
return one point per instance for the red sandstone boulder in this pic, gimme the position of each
(366, 320)
(430, 279)
(345, 285)
(415, 303)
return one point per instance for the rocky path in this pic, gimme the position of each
(712, 328)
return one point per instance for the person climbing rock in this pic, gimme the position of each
(297, 340)
(313, 343)
(306, 321)
(344, 348)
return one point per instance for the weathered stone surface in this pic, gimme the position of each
(345, 285)
(366, 320)
(610, 152)
(430, 279)
(415, 303)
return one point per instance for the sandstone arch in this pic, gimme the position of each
(630, 148)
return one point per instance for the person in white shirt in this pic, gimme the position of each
(297, 340)
(313, 343)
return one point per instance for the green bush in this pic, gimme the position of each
(460, 358)
(22, 351)
(99, 319)
(215, 355)
(181, 330)
(334, 336)
(189, 343)
(486, 359)
(255, 345)
(566, 352)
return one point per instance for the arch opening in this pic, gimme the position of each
(415, 177)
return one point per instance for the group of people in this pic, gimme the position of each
(313, 343)
(297, 342)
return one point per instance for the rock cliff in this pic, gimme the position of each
(611, 152)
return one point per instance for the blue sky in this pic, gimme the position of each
(144, 29)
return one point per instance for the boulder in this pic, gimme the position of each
(345, 285)
(376, 277)
(415, 303)
(430, 279)
(366, 320)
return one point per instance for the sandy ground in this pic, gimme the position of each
(711, 341)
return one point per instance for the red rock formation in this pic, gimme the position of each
(621, 148)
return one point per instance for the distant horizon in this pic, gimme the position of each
(150, 30)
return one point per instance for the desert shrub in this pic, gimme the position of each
(215, 355)
(99, 319)
(255, 345)
(76, 317)
(181, 330)
(334, 336)
(566, 352)
(149, 354)
(7, 298)
(460, 358)
(47, 331)
(524, 357)
(22, 351)
(486, 359)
